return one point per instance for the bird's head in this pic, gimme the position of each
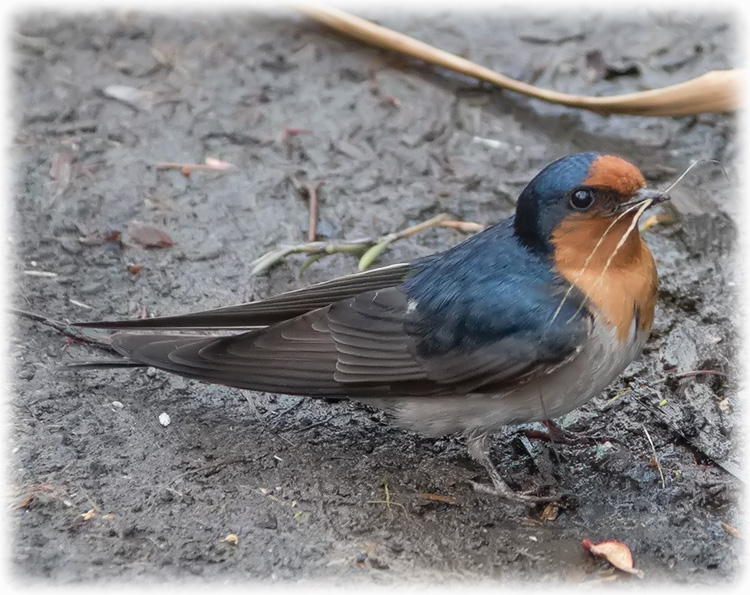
(578, 197)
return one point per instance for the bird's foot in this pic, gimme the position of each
(502, 490)
(478, 450)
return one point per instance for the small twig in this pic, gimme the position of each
(622, 392)
(310, 190)
(186, 169)
(467, 226)
(437, 498)
(315, 425)
(697, 442)
(291, 407)
(690, 374)
(656, 458)
(372, 253)
(65, 329)
(277, 416)
(370, 248)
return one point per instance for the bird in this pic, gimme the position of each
(522, 322)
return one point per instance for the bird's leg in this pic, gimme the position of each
(558, 435)
(479, 451)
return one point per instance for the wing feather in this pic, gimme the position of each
(271, 310)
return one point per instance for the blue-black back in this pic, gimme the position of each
(492, 288)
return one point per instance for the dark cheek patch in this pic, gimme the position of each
(615, 173)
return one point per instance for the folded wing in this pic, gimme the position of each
(370, 345)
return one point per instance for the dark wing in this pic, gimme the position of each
(379, 343)
(482, 316)
(272, 310)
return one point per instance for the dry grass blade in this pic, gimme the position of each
(715, 91)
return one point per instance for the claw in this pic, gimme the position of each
(504, 492)
(477, 443)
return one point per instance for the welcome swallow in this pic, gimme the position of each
(522, 322)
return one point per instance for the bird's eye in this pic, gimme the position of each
(581, 199)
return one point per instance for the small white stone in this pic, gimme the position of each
(117, 405)
(164, 419)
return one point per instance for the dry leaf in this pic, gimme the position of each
(60, 170)
(26, 503)
(149, 236)
(615, 552)
(715, 91)
(733, 531)
(550, 512)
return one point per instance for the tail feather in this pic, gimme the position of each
(93, 364)
(271, 310)
(184, 355)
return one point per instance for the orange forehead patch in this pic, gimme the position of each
(612, 172)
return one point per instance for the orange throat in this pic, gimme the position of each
(619, 283)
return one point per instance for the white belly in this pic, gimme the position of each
(601, 360)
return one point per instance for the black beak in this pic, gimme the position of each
(645, 195)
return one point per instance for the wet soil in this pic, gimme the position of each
(102, 490)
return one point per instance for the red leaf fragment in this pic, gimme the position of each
(134, 269)
(93, 239)
(390, 100)
(149, 236)
(114, 237)
(294, 132)
(615, 552)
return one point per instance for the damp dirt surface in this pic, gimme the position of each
(100, 489)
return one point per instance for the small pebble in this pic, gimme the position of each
(164, 419)
(26, 373)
